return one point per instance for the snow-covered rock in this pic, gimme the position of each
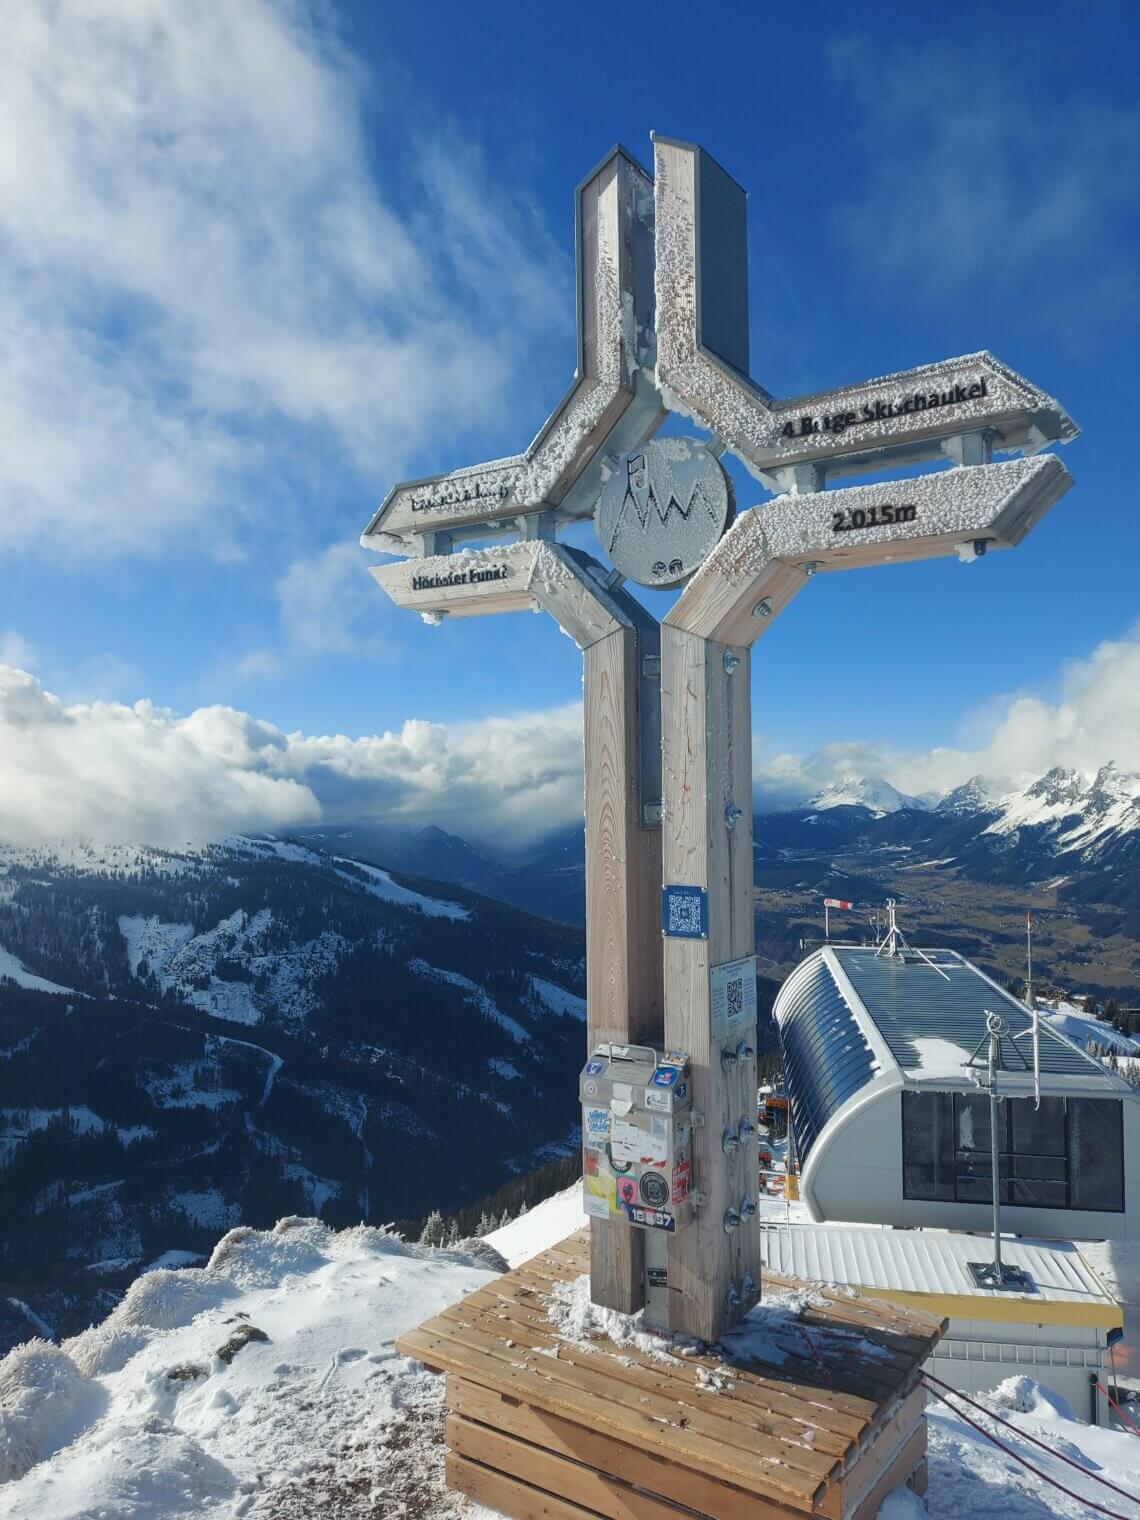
(311, 1411)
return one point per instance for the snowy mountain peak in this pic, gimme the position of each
(973, 796)
(1057, 786)
(871, 792)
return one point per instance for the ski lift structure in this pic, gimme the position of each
(923, 1094)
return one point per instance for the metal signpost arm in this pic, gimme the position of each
(963, 409)
(611, 405)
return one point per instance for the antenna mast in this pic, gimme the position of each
(896, 945)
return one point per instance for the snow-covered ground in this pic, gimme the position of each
(14, 970)
(1085, 1029)
(266, 1384)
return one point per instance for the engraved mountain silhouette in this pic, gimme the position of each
(643, 500)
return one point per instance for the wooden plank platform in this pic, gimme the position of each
(821, 1414)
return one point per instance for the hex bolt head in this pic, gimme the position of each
(729, 1141)
(732, 662)
(745, 1130)
(731, 1220)
(747, 1208)
(744, 1052)
(727, 1058)
(731, 1299)
(763, 608)
(732, 815)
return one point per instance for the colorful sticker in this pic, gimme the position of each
(626, 1190)
(682, 1089)
(658, 1277)
(595, 1068)
(659, 1100)
(665, 1076)
(599, 1199)
(682, 1180)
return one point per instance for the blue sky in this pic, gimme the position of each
(262, 261)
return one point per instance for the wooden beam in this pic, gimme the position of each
(706, 751)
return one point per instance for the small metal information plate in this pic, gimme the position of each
(732, 997)
(684, 912)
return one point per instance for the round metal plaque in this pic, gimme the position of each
(663, 510)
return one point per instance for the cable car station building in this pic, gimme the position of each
(884, 1059)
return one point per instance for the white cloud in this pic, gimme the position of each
(1016, 738)
(995, 173)
(207, 280)
(108, 770)
(15, 649)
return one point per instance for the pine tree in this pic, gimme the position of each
(1089, 1005)
(432, 1232)
(453, 1232)
(486, 1224)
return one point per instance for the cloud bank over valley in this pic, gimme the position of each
(108, 770)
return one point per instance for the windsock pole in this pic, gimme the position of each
(828, 904)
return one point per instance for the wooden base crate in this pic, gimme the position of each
(544, 1428)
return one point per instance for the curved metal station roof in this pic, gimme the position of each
(848, 1016)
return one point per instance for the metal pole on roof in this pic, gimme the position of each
(995, 1025)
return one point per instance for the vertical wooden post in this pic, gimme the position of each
(706, 744)
(623, 892)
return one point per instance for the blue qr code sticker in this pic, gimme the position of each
(685, 912)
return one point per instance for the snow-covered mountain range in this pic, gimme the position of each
(1080, 831)
(258, 1027)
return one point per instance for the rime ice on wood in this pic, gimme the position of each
(663, 322)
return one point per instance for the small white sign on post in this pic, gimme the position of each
(732, 997)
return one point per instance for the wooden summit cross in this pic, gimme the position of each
(663, 327)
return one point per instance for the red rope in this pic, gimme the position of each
(1024, 1461)
(1127, 1421)
(1025, 1436)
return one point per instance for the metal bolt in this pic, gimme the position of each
(749, 1287)
(732, 662)
(727, 1058)
(731, 1220)
(809, 567)
(763, 608)
(729, 1141)
(747, 1208)
(731, 1299)
(744, 1052)
(732, 815)
(745, 1130)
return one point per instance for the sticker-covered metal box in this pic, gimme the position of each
(637, 1156)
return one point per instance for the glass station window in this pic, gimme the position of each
(1096, 1155)
(928, 1145)
(1068, 1153)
